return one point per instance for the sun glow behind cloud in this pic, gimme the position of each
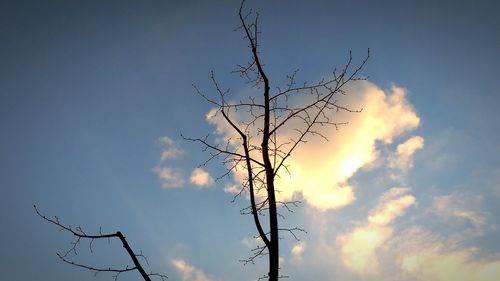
(320, 170)
(298, 249)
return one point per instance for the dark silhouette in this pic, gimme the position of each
(258, 149)
(80, 234)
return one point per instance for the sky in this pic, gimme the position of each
(96, 94)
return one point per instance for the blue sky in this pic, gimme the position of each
(93, 92)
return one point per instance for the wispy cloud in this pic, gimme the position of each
(170, 178)
(424, 256)
(402, 159)
(188, 272)
(392, 204)
(359, 246)
(251, 242)
(232, 188)
(453, 206)
(201, 178)
(169, 149)
(439, 265)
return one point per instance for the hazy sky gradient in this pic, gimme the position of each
(95, 95)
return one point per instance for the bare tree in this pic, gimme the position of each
(255, 145)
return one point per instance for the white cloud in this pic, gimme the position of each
(358, 248)
(298, 249)
(252, 242)
(402, 158)
(169, 149)
(320, 170)
(423, 256)
(394, 204)
(169, 177)
(438, 265)
(201, 178)
(189, 272)
(232, 188)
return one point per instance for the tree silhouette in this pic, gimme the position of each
(79, 234)
(255, 149)
(256, 146)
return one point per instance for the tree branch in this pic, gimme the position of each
(80, 234)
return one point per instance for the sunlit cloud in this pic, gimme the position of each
(169, 177)
(169, 148)
(232, 188)
(392, 205)
(423, 256)
(359, 247)
(201, 178)
(436, 265)
(188, 272)
(252, 242)
(298, 249)
(402, 159)
(320, 170)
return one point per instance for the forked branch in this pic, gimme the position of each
(80, 234)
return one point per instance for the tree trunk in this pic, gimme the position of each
(273, 225)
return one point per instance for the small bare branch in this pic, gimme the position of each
(80, 234)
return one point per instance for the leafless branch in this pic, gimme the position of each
(80, 234)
